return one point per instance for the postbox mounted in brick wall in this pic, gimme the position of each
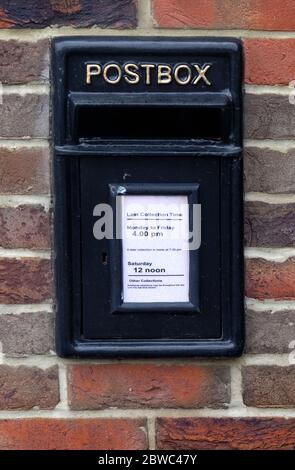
(148, 196)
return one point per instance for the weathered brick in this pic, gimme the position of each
(24, 116)
(148, 385)
(270, 280)
(225, 14)
(225, 434)
(269, 333)
(269, 225)
(42, 13)
(23, 388)
(27, 333)
(269, 171)
(25, 280)
(269, 386)
(24, 171)
(269, 61)
(73, 434)
(23, 62)
(24, 227)
(269, 116)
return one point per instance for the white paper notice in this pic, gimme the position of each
(155, 253)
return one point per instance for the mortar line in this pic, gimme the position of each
(44, 89)
(24, 253)
(268, 89)
(13, 201)
(33, 35)
(25, 142)
(236, 387)
(253, 304)
(283, 145)
(144, 15)
(278, 255)
(24, 89)
(269, 305)
(17, 309)
(146, 413)
(42, 361)
(269, 198)
(247, 359)
(63, 387)
(151, 432)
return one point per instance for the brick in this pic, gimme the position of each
(270, 280)
(25, 280)
(24, 62)
(81, 13)
(224, 14)
(269, 386)
(27, 333)
(24, 116)
(24, 226)
(148, 385)
(269, 333)
(225, 434)
(23, 388)
(269, 225)
(73, 434)
(269, 116)
(269, 61)
(269, 171)
(24, 171)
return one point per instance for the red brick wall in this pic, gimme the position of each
(49, 403)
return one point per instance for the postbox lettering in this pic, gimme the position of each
(164, 74)
(132, 75)
(183, 74)
(92, 70)
(160, 74)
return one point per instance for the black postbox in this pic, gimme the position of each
(148, 145)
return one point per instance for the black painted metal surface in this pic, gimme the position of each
(183, 133)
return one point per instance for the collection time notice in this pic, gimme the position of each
(155, 242)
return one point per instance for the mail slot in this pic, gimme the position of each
(148, 210)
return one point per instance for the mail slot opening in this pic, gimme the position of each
(150, 123)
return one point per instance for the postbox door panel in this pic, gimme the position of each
(96, 255)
